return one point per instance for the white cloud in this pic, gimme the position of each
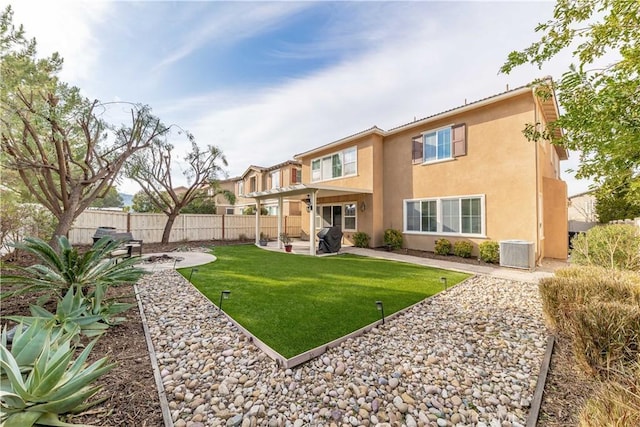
(421, 65)
(392, 61)
(227, 23)
(66, 27)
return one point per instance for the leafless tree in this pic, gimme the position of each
(80, 156)
(151, 169)
(64, 147)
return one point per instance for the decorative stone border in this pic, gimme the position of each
(536, 403)
(164, 403)
(299, 359)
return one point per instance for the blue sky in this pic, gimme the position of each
(266, 80)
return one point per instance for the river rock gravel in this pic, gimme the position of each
(469, 356)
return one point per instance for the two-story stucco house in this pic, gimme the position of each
(258, 178)
(467, 173)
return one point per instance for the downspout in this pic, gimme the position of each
(535, 118)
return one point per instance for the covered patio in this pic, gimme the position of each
(310, 194)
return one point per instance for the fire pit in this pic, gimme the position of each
(161, 259)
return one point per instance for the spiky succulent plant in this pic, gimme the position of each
(39, 381)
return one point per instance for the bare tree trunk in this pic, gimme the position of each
(65, 221)
(168, 226)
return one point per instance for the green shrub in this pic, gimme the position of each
(463, 249)
(489, 251)
(573, 287)
(606, 336)
(40, 381)
(442, 247)
(361, 239)
(613, 246)
(393, 238)
(251, 210)
(72, 313)
(65, 268)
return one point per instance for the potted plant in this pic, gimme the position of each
(286, 240)
(264, 238)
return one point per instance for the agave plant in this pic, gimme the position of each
(62, 270)
(40, 382)
(72, 312)
(97, 305)
(28, 342)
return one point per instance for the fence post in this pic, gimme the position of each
(223, 227)
(128, 222)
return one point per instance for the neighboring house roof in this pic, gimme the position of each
(269, 168)
(234, 179)
(549, 107)
(283, 164)
(584, 193)
(181, 189)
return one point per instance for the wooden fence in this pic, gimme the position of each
(187, 227)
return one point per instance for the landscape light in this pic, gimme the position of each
(444, 281)
(193, 270)
(223, 295)
(380, 307)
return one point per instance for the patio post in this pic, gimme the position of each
(258, 206)
(280, 231)
(312, 224)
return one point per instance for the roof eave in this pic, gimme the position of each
(371, 131)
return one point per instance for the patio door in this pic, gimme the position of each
(331, 216)
(343, 215)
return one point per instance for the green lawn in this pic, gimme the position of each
(295, 303)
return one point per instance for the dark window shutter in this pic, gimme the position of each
(459, 140)
(416, 155)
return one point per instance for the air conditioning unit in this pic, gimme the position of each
(517, 254)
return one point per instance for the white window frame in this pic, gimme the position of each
(272, 210)
(323, 169)
(343, 205)
(275, 183)
(241, 187)
(439, 219)
(424, 145)
(354, 216)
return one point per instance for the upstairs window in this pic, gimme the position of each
(440, 144)
(437, 145)
(296, 176)
(240, 187)
(275, 180)
(336, 165)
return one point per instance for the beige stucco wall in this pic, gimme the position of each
(369, 158)
(364, 176)
(583, 208)
(500, 165)
(555, 241)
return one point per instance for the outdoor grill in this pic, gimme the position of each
(330, 240)
(103, 231)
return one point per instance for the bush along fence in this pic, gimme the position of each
(187, 227)
(635, 221)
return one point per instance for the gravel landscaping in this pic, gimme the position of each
(469, 356)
